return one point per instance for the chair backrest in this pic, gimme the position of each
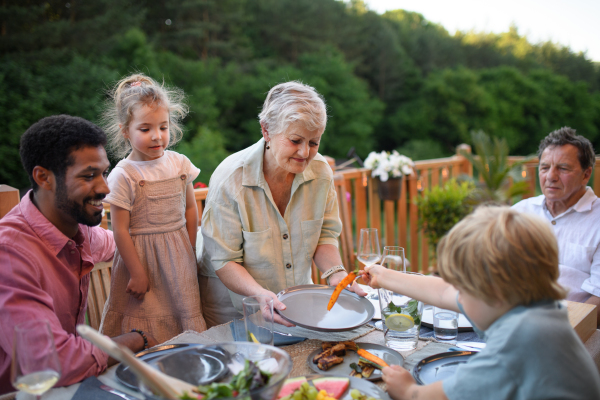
(98, 292)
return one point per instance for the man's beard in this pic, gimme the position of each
(76, 210)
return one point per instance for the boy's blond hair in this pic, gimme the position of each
(499, 254)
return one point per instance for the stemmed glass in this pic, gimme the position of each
(369, 251)
(393, 258)
(35, 364)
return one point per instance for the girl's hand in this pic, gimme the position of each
(398, 380)
(138, 286)
(372, 275)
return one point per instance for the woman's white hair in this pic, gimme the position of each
(291, 102)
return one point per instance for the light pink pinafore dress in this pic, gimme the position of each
(157, 228)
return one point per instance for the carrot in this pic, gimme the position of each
(338, 289)
(371, 357)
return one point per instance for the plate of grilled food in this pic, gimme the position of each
(358, 360)
(307, 306)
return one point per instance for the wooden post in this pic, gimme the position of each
(466, 167)
(597, 177)
(9, 197)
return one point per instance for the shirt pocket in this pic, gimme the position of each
(311, 232)
(258, 250)
(576, 256)
(165, 209)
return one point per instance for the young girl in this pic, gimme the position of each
(154, 285)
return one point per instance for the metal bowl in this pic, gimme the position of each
(202, 365)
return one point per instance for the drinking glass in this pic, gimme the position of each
(368, 249)
(35, 364)
(258, 317)
(445, 325)
(393, 258)
(401, 319)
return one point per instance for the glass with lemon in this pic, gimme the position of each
(401, 315)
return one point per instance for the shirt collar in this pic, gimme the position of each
(583, 204)
(253, 166)
(586, 201)
(44, 229)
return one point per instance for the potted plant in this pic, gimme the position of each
(442, 207)
(491, 163)
(387, 169)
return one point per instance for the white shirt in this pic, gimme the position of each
(122, 186)
(577, 231)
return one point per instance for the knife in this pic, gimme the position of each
(117, 392)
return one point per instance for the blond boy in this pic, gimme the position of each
(500, 267)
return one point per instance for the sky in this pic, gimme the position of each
(571, 23)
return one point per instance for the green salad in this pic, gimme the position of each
(249, 378)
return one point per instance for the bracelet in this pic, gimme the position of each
(141, 332)
(331, 271)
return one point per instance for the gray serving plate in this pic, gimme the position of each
(183, 357)
(307, 307)
(440, 366)
(391, 357)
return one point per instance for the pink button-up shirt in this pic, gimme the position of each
(46, 275)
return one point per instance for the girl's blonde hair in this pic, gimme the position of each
(499, 254)
(127, 96)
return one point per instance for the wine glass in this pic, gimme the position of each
(35, 364)
(368, 249)
(393, 258)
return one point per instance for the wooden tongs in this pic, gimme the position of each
(162, 384)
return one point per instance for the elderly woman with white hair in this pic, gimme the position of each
(271, 210)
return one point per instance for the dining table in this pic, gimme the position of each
(581, 318)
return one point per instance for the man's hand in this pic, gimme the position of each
(138, 286)
(337, 278)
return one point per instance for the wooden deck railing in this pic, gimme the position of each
(396, 221)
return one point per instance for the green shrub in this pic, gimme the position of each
(442, 207)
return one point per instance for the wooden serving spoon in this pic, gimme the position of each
(164, 385)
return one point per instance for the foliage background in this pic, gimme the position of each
(391, 81)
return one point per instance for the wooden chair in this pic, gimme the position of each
(98, 292)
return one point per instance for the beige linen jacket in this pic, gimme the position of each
(241, 222)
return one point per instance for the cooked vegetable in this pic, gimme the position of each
(372, 358)
(338, 289)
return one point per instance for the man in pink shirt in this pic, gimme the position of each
(49, 243)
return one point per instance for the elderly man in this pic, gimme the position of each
(566, 163)
(49, 243)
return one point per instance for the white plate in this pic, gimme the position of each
(463, 323)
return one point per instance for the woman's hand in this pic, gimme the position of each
(337, 278)
(372, 275)
(277, 305)
(138, 286)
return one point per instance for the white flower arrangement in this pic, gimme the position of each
(387, 165)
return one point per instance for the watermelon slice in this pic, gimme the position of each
(290, 385)
(334, 386)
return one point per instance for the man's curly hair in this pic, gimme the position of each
(50, 142)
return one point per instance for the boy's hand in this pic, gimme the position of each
(372, 274)
(401, 385)
(138, 286)
(399, 382)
